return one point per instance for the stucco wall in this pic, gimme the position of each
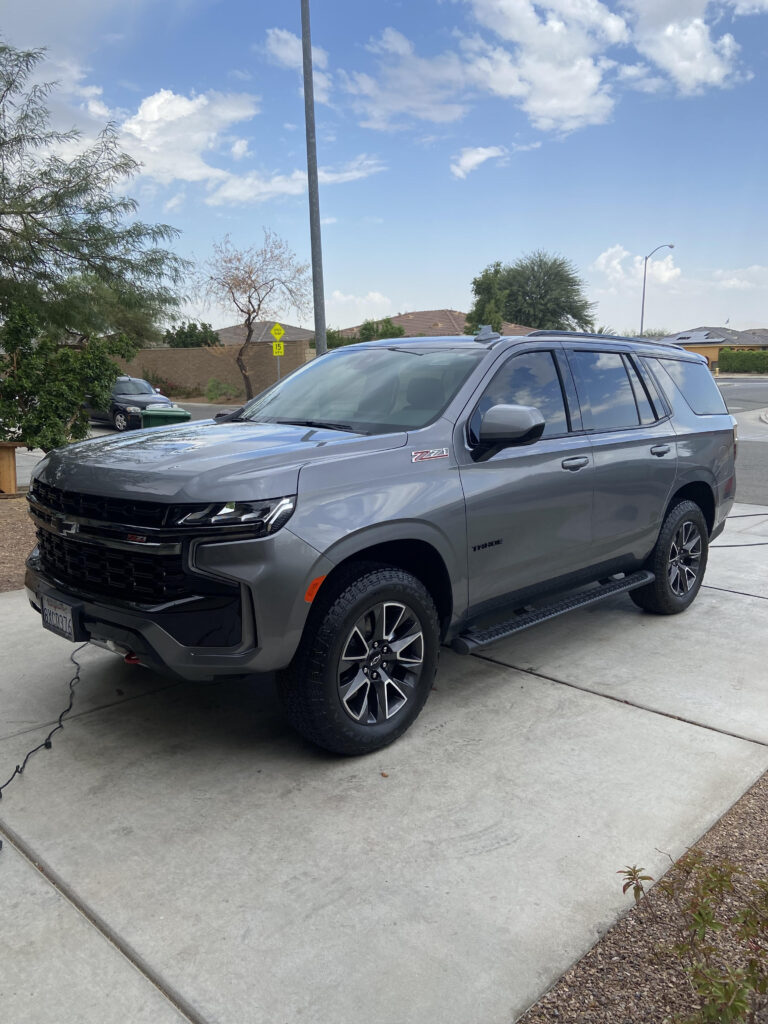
(194, 367)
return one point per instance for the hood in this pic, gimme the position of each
(203, 461)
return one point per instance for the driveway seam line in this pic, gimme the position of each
(90, 711)
(727, 590)
(123, 947)
(622, 700)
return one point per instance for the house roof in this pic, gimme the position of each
(235, 335)
(436, 323)
(719, 336)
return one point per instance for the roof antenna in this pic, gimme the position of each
(486, 333)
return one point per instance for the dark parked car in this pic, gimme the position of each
(384, 499)
(130, 395)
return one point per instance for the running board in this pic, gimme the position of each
(473, 639)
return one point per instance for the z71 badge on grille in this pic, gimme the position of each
(429, 453)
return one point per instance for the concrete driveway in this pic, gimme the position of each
(180, 854)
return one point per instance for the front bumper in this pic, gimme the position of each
(260, 622)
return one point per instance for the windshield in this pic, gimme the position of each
(133, 387)
(377, 391)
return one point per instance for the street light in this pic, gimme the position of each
(312, 183)
(664, 245)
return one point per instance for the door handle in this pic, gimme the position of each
(660, 449)
(575, 462)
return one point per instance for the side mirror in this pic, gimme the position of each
(505, 425)
(158, 391)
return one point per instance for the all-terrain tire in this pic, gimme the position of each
(678, 559)
(325, 695)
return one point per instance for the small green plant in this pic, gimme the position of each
(720, 918)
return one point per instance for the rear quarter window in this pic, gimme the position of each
(695, 383)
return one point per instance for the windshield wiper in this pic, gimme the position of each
(322, 425)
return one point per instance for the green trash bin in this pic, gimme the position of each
(164, 416)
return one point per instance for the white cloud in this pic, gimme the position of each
(744, 279)
(406, 87)
(391, 41)
(363, 166)
(175, 202)
(348, 310)
(239, 149)
(285, 50)
(170, 134)
(328, 220)
(256, 187)
(619, 267)
(472, 157)
(678, 39)
(749, 6)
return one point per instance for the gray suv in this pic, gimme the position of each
(383, 500)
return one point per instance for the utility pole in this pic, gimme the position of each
(321, 345)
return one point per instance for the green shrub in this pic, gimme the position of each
(743, 361)
(222, 391)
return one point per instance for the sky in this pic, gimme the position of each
(450, 134)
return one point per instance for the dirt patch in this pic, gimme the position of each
(622, 979)
(17, 538)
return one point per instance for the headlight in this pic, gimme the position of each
(132, 408)
(264, 517)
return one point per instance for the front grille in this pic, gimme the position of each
(129, 575)
(125, 511)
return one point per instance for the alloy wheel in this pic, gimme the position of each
(381, 662)
(684, 558)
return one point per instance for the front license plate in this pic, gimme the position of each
(60, 618)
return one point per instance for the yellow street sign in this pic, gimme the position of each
(278, 348)
(277, 332)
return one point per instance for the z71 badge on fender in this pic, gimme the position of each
(429, 453)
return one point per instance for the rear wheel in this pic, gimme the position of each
(366, 662)
(678, 560)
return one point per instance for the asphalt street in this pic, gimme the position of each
(743, 398)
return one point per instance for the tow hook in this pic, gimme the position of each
(132, 659)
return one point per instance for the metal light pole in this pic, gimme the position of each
(664, 245)
(321, 345)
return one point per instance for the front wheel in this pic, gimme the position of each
(120, 421)
(366, 662)
(678, 560)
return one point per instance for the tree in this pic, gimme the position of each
(192, 335)
(260, 283)
(540, 290)
(43, 383)
(373, 330)
(370, 330)
(76, 269)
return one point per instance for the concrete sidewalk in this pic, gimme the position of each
(180, 854)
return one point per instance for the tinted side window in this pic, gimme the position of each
(696, 383)
(529, 378)
(645, 408)
(607, 400)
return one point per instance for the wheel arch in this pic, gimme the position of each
(701, 494)
(415, 556)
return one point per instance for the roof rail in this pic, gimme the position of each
(583, 334)
(487, 333)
